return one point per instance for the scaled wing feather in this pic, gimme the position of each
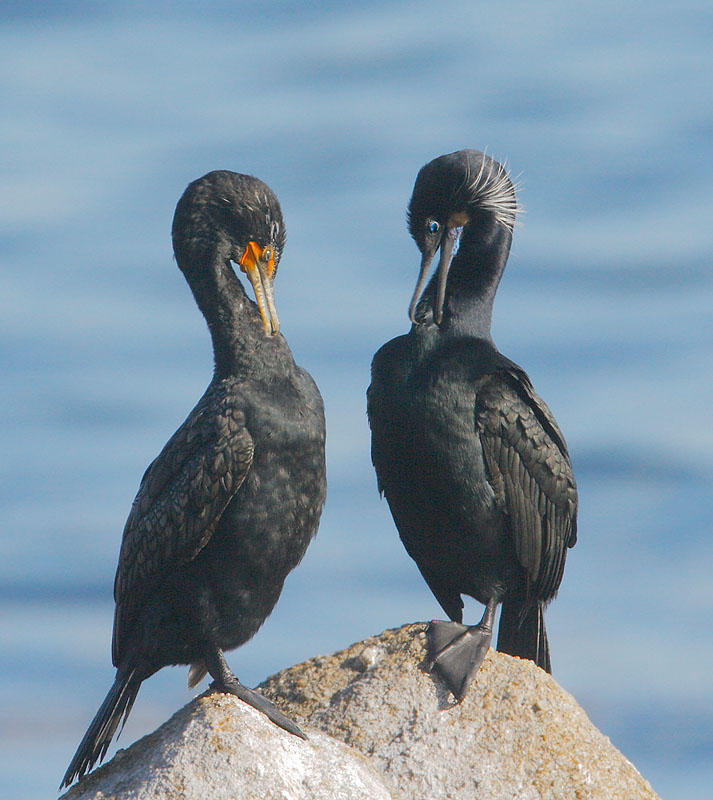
(179, 503)
(530, 473)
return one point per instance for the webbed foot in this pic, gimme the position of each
(261, 703)
(225, 681)
(456, 652)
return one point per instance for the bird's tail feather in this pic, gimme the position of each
(522, 632)
(116, 706)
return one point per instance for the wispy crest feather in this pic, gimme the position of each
(494, 190)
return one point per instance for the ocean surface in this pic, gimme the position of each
(604, 110)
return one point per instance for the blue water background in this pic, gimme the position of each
(110, 109)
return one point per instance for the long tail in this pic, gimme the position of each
(522, 633)
(117, 705)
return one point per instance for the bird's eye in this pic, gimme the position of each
(433, 226)
(267, 253)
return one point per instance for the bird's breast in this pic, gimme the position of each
(276, 511)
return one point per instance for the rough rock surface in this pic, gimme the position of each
(517, 734)
(218, 748)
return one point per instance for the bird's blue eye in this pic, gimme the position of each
(433, 226)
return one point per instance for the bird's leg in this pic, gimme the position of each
(225, 681)
(456, 651)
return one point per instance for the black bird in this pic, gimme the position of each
(472, 463)
(228, 507)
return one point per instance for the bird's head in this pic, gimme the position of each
(230, 218)
(465, 195)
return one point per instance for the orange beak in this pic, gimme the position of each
(258, 263)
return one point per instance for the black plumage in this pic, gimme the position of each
(228, 507)
(471, 461)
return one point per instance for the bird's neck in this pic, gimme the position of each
(234, 322)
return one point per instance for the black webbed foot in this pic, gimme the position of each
(456, 651)
(225, 681)
(261, 703)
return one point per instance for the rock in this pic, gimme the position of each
(517, 734)
(218, 748)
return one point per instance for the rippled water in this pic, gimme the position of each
(606, 111)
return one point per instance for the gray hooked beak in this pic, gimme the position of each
(449, 247)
